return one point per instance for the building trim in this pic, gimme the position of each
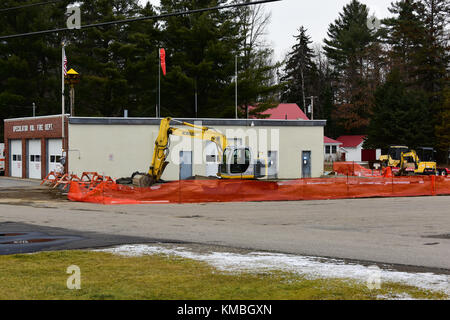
(32, 118)
(206, 122)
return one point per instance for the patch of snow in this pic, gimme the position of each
(396, 296)
(309, 267)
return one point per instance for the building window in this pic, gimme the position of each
(334, 150)
(327, 149)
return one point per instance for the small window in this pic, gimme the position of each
(14, 157)
(333, 149)
(19, 157)
(37, 158)
(58, 159)
(32, 158)
(52, 159)
(327, 149)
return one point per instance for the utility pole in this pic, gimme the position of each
(196, 100)
(312, 106)
(236, 90)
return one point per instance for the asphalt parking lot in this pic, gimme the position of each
(406, 231)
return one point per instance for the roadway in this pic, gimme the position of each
(404, 231)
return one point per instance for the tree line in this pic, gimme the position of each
(387, 80)
(119, 63)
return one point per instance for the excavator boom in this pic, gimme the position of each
(161, 150)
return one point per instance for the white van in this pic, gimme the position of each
(2, 159)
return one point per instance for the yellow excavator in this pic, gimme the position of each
(412, 164)
(235, 162)
(393, 157)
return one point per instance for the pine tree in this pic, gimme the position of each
(256, 69)
(404, 34)
(433, 62)
(398, 115)
(101, 56)
(419, 50)
(30, 67)
(299, 71)
(443, 127)
(350, 49)
(201, 52)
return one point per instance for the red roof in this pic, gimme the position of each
(327, 140)
(351, 141)
(285, 111)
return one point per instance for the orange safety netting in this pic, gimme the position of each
(193, 191)
(354, 169)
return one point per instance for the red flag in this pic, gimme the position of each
(162, 58)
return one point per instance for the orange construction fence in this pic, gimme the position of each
(194, 191)
(354, 169)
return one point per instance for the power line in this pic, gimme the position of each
(161, 16)
(30, 5)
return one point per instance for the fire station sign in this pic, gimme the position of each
(33, 127)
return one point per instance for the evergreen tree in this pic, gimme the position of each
(404, 34)
(443, 127)
(101, 55)
(201, 52)
(350, 49)
(256, 69)
(299, 71)
(398, 115)
(30, 66)
(419, 50)
(433, 62)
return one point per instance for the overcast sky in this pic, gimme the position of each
(315, 15)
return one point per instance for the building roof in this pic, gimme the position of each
(327, 140)
(285, 111)
(199, 121)
(351, 141)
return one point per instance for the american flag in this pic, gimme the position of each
(65, 62)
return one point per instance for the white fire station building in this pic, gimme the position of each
(117, 147)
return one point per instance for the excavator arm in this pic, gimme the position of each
(161, 151)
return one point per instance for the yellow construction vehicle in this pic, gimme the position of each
(235, 162)
(393, 156)
(412, 164)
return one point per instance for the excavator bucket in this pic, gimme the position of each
(145, 180)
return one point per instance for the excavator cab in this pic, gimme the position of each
(240, 163)
(393, 156)
(426, 154)
(420, 162)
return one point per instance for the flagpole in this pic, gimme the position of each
(62, 94)
(159, 85)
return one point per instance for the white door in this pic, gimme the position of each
(212, 165)
(15, 158)
(54, 153)
(34, 159)
(185, 165)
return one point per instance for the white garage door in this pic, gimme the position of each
(54, 153)
(34, 159)
(15, 158)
